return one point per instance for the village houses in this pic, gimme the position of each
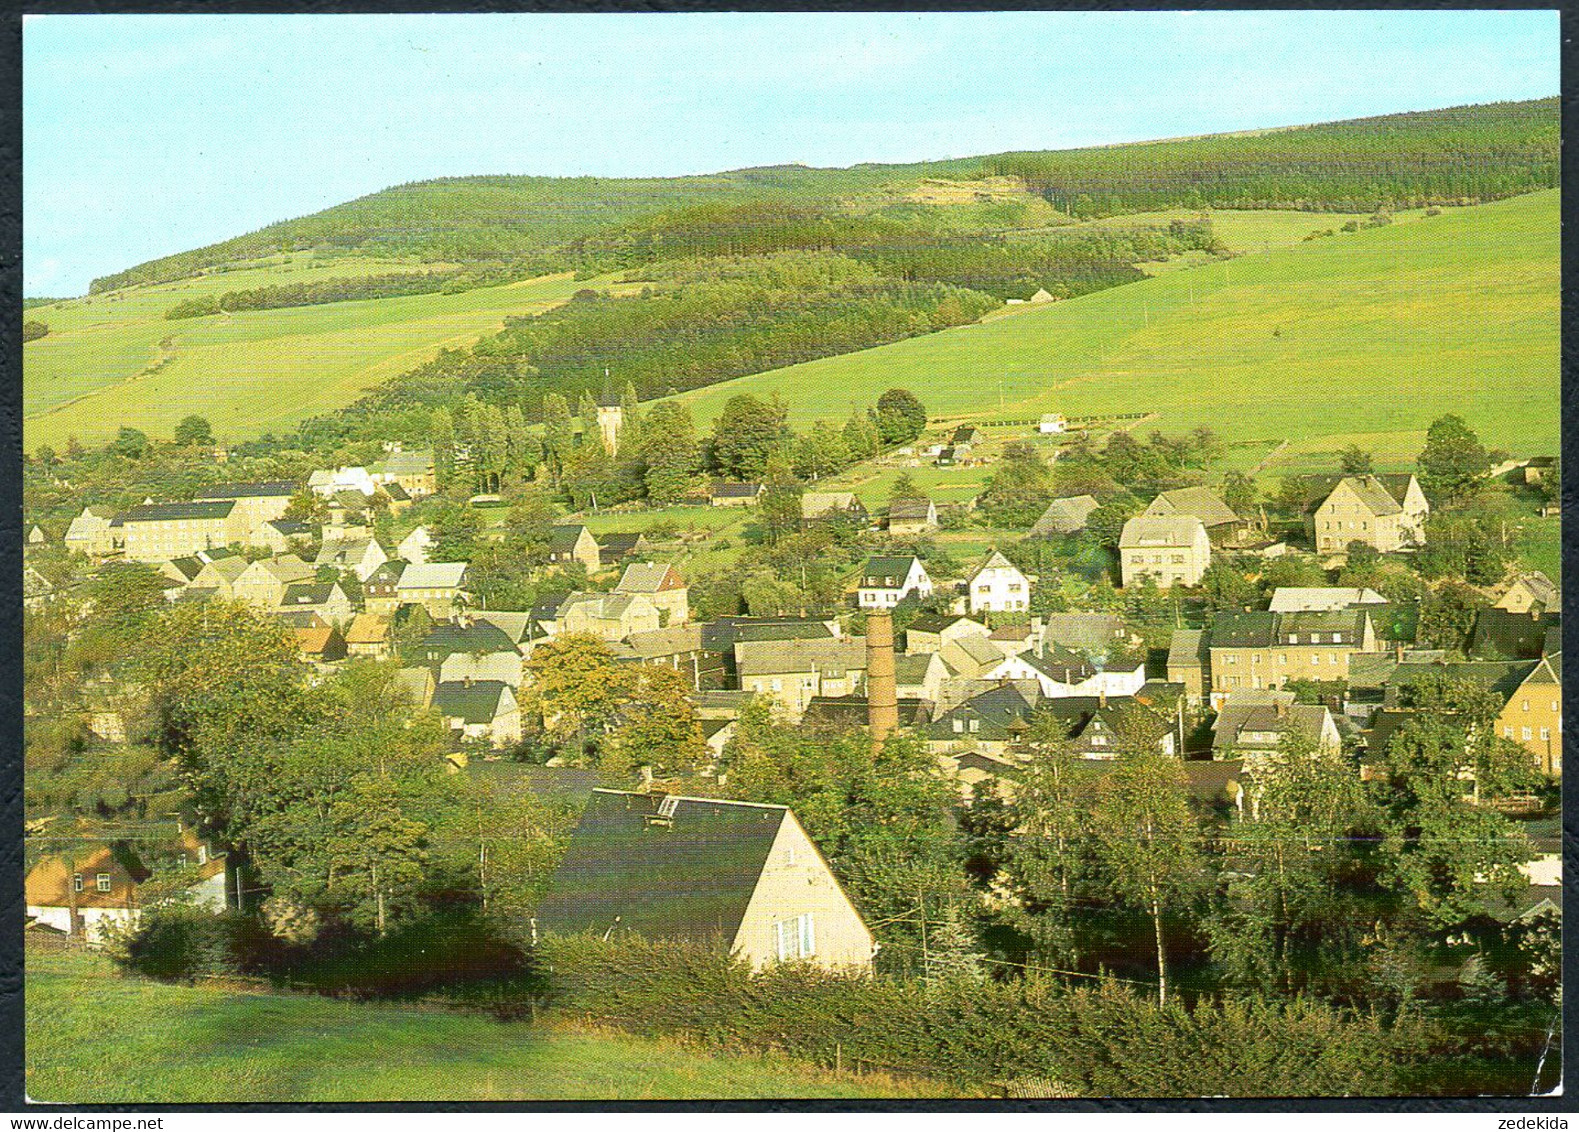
(1171, 550)
(998, 586)
(1385, 512)
(886, 581)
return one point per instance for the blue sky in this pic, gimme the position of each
(147, 135)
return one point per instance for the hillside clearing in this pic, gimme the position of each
(1369, 334)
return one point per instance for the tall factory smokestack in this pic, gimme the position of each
(882, 696)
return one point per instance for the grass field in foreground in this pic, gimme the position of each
(108, 363)
(96, 1038)
(1358, 338)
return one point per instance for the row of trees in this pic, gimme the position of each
(316, 291)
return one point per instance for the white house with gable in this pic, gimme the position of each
(998, 586)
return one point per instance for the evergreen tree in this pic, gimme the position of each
(779, 504)
(668, 452)
(558, 432)
(1453, 461)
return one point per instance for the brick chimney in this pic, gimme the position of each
(882, 696)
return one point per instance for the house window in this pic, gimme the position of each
(76, 882)
(1255, 658)
(1524, 734)
(795, 939)
(1526, 705)
(102, 882)
(789, 855)
(1546, 735)
(1315, 660)
(1230, 658)
(975, 725)
(778, 684)
(959, 726)
(1282, 658)
(1507, 732)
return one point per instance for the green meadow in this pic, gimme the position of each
(112, 360)
(93, 1037)
(1358, 338)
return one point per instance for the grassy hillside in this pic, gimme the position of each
(1438, 156)
(96, 1038)
(1357, 338)
(113, 360)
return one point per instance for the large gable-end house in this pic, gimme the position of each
(256, 503)
(615, 547)
(920, 676)
(361, 556)
(610, 617)
(1386, 512)
(1171, 550)
(1529, 590)
(89, 533)
(728, 494)
(262, 584)
(381, 590)
(326, 599)
(281, 535)
(412, 470)
(483, 710)
(1221, 521)
(832, 507)
(1100, 727)
(320, 644)
(1257, 723)
(1059, 672)
(929, 632)
(95, 888)
(415, 546)
(1064, 517)
(220, 573)
(886, 581)
(791, 672)
(740, 875)
(907, 517)
(1533, 715)
(1260, 650)
(329, 483)
(998, 586)
(368, 635)
(567, 544)
(476, 637)
(989, 721)
(439, 587)
(155, 532)
(661, 584)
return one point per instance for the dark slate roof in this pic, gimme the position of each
(723, 634)
(995, 710)
(395, 492)
(478, 637)
(935, 622)
(1347, 623)
(843, 712)
(1208, 780)
(725, 490)
(290, 528)
(690, 877)
(878, 569)
(189, 566)
(1500, 635)
(307, 593)
(910, 510)
(155, 512)
(387, 574)
(616, 545)
(1243, 630)
(966, 434)
(563, 539)
(255, 490)
(1188, 649)
(1501, 677)
(1385, 722)
(302, 619)
(474, 702)
(1058, 663)
(1119, 716)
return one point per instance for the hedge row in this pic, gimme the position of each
(1099, 1040)
(1103, 1040)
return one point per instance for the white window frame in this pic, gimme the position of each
(101, 882)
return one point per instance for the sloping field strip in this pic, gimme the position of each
(1374, 332)
(255, 374)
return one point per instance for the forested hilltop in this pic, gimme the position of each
(1460, 155)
